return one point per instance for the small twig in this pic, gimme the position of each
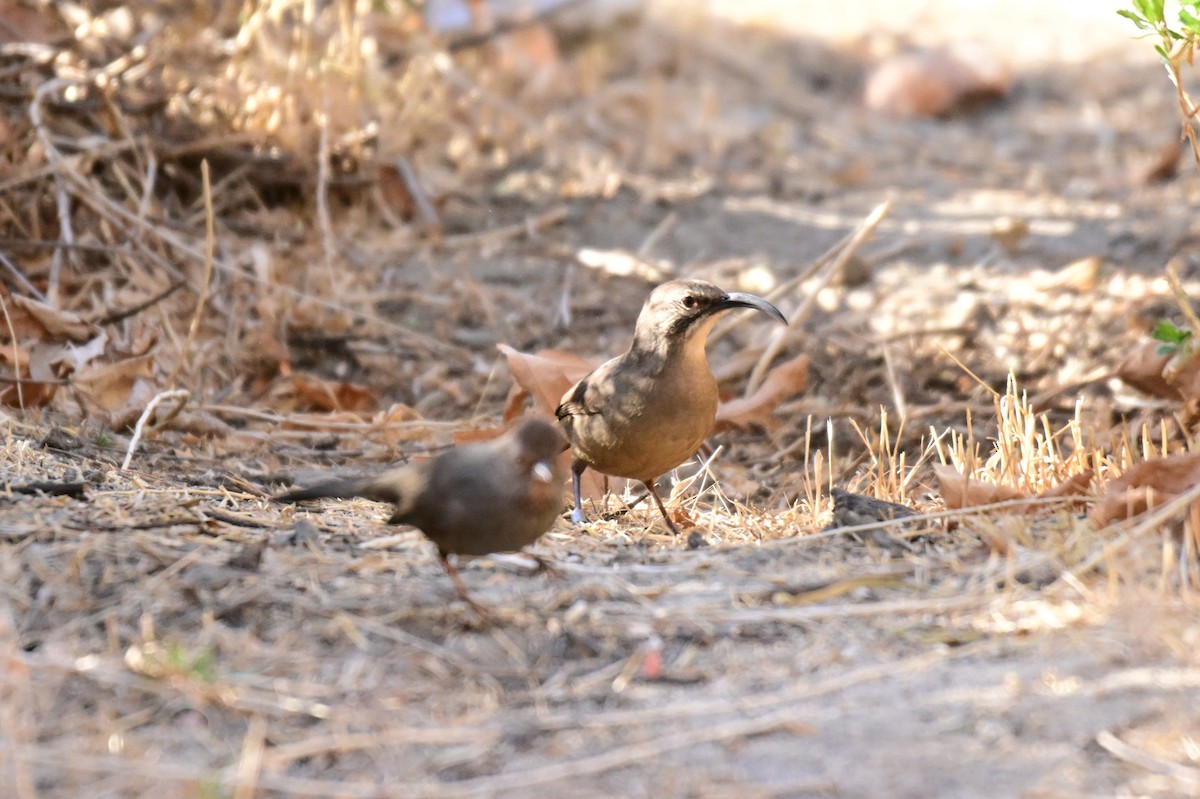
(139, 428)
(324, 222)
(29, 381)
(983, 384)
(250, 763)
(889, 365)
(51, 488)
(660, 230)
(62, 196)
(423, 209)
(534, 224)
(1181, 298)
(122, 315)
(16, 359)
(19, 276)
(209, 245)
(856, 240)
(1187, 778)
(724, 327)
(148, 186)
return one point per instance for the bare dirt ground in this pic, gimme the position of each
(169, 631)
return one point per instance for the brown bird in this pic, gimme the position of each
(494, 496)
(643, 413)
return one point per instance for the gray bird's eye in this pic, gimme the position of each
(690, 302)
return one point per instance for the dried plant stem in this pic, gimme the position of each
(1185, 777)
(1181, 298)
(324, 222)
(62, 196)
(863, 232)
(12, 337)
(202, 299)
(139, 428)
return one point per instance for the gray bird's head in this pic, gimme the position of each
(539, 444)
(685, 310)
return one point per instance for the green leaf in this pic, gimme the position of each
(1169, 333)
(1141, 23)
(1153, 9)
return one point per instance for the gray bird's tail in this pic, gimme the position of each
(378, 488)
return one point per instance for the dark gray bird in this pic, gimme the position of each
(494, 496)
(643, 413)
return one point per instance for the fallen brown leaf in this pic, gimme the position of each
(28, 394)
(960, 491)
(1147, 485)
(319, 394)
(58, 325)
(758, 410)
(1171, 376)
(543, 376)
(110, 385)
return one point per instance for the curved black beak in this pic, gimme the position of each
(738, 299)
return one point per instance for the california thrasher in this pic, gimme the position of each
(494, 496)
(643, 413)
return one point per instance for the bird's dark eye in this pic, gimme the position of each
(690, 302)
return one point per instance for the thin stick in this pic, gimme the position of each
(209, 245)
(62, 197)
(19, 276)
(250, 762)
(12, 333)
(1187, 778)
(860, 235)
(139, 428)
(323, 219)
(1181, 298)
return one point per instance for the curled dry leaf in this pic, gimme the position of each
(315, 393)
(936, 84)
(960, 491)
(543, 376)
(1171, 376)
(57, 325)
(400, 424)
(758, 410)
(1146, 486)
(39, 343)
(110, 386)
(27, 394)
